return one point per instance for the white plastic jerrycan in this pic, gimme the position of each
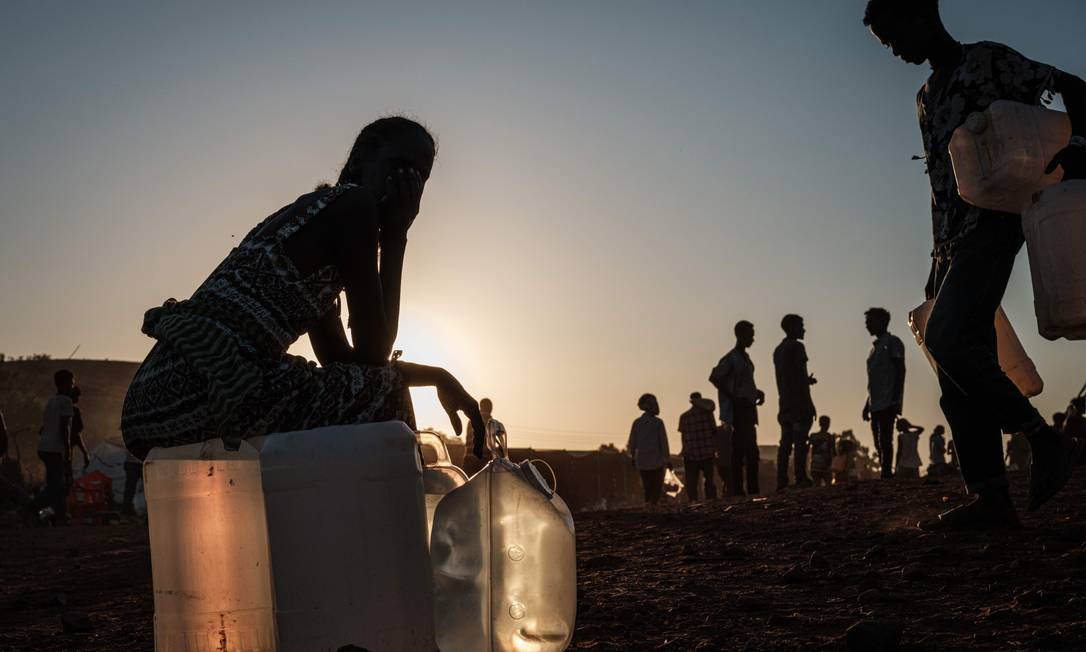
(999, 155)
(210, 564)
(347, 534)
(1013, 358)
(504, 557)
(1055, 230)
(297, 542)
(439, 475)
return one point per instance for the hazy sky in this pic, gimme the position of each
(618, 183)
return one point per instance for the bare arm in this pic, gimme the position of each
(1072, 158)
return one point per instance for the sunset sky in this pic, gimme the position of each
(617, 184)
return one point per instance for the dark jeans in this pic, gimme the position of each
(653, 482)
(882, 431)
(744, 448)
(978, 399)
(133, 473)
(694, 469)
(793, 436)
(55, 493)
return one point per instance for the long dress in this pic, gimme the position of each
(220, 368)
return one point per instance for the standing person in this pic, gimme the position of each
(937, 452)
(220, 367)
(698, 428)
(973, 257)
(823, 450)
(1017, 458)
(496, 438)
(885, 385)
(3, 437)
(797, 410)
(56, 428)
(1074, 422)
(908, 454)
(649, 448)
(724, 458)
(739, 398)
(133, 473)
(76, 439)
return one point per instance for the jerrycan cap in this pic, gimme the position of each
(534, 478)
(977, 123)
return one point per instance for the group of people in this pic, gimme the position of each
(731, 446)
(59, 438)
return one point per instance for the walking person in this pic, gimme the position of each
(698, 429)
(885, 385)
(56, 428)
(739, 397)
(974, 252)
(649, 448)
(823, 449)
(908, 462)
(220, 366)
(797, 410)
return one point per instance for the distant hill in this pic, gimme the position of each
(25, 386)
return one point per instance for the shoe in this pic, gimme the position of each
(988, 511)
(1054, 458)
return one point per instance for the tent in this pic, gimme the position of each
(109, 458)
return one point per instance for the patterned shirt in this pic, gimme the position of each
(698, 428)
(987, 72)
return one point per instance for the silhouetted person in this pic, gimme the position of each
(974, 254)
(76, 439)
(649, 448)
(698, 429)
(908, 453)
(1074, 424)
(844, 463)
(937, 452)
(56, 428)
(739, 397)
(496, 438)
(885, 385)
(724, 458)
(797, 411)
(823, 448)
(133, 473)
(220, 366)
(1018, 455)
(1058, 420)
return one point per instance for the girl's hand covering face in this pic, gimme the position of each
(400, 203)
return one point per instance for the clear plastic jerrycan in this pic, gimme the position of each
(347, 533)
(1055, 230)
(439, 476)
(504, 558)
(210, 563)
(1013, 358)
(999, 155)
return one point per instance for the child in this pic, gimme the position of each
(823, 451)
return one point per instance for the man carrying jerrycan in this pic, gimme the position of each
(973, 256)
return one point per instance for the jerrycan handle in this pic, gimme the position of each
(550, 469)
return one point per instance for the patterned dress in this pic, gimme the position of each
(219, 367)
(987, 72)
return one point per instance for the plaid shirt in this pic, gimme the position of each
(698, 428)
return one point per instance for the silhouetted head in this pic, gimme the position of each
(877, 321)
(824, 422)
(910, 28)
(1058, 420)
(65, 381)
(486, 407)
(903, 424)
(939, 430)
(793, 327)
(648, 403)
(744, 334)
(76, 393)
(384, 146)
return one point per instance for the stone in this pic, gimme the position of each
(76, 622)
(873, 636)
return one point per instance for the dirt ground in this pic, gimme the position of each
(788, 572)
